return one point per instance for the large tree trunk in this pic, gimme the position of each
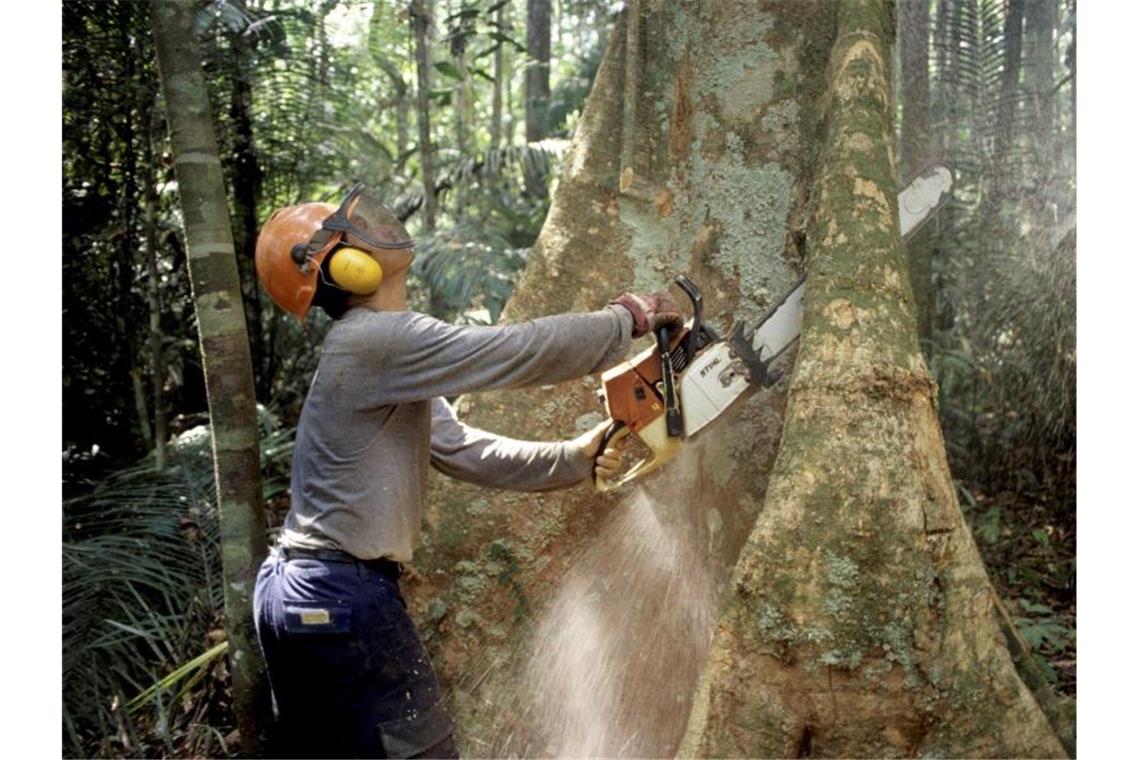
(724, 105)
(576, 624)
(861, 622)
(225, 350)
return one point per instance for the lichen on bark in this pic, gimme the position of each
(860, 620)
(713, 189)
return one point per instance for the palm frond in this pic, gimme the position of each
(142, 588)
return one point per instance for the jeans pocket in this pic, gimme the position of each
(317, 616)
(415, 733)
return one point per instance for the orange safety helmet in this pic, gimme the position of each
(295, 241)
(292, 287)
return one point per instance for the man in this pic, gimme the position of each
(348, 672)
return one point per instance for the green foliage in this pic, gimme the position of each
(1046, 634)
(989, 527)
(1003, 342)
(143, 602)
(308, 98)
(467, 279)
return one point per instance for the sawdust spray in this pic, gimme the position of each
(615, 656)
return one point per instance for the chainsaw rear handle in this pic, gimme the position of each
(662, 448)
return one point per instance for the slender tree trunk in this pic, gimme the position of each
(247, 182)
(497, 91)
(142, 414)
(916, 144)
(537, 68)
(1073, 71)
(537, 84)
(462, 104)
(508, 77)
(1041, 21)
(1010, 76)
(154, 302)
(861, 621)
(128, 371)
(421, 22)
(225, 350)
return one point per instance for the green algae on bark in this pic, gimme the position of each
(716, 179)
(860, 619)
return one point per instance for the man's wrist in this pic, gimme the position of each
(638, 309)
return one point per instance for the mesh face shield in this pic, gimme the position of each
(363, 218)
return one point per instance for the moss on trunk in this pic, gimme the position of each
(723, 132)
(860, 622)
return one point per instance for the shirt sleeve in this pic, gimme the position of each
(426, 357)
(477, 456)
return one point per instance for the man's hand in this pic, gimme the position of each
(607, 464)
(650, 311)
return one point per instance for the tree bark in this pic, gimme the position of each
(246, 181)
(154, 302)
(1010, 76)
(537, 84)
(537, 68)
(860, 622)
(873, 562)
(724, 114)
(1040, 22)
(225, 350)
(497, 87)
(421, 22)
(124, 265)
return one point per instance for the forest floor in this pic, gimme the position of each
(1028, 538)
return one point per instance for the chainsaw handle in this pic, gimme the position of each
(608, 436)
(698, 301)
(614, 434)
(662, 448)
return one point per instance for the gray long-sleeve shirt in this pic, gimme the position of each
(374, 419)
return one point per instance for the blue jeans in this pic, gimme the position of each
(349, 675)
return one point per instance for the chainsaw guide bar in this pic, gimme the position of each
(676, 389)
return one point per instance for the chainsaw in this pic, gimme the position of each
(670, 392)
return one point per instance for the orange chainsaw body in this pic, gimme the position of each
(630, 388)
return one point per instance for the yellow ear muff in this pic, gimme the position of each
(355, 271)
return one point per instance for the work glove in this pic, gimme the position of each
(650, 311)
